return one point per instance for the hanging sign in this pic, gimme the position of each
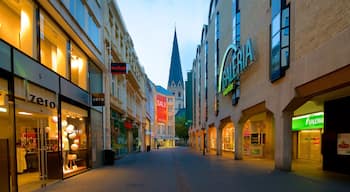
(119, 68)
(98, 99)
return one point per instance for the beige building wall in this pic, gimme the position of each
(319, 47)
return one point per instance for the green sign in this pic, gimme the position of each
(311, 121)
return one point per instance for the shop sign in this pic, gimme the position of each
(305, 122)
(236, 61)
(343, 144)
(42, 101)
(119, 68)
(127, 124)
(98, 99)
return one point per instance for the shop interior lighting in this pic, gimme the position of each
(24, 113)
(2, 109)
(310, 131)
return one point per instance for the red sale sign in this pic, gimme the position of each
(162, 111)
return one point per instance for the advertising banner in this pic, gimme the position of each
(343, 146)
(162, 111)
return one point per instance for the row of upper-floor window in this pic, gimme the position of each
(86, 19)
(279, 42)
(33, 31)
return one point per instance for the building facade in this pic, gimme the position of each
(127, 85)
(189, 100)
(279, 86)
(175, 82)
(52, 66)
(164, 129)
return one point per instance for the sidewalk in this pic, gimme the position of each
(305, 169)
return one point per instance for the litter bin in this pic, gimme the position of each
(108, 157)
(148, 148)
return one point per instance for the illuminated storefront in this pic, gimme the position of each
(212, 138)
(228, 139)
(47, 118)
(307, 130)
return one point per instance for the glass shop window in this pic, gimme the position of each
(78, 67)
(16, 24)
(74, 138)
(53, 46)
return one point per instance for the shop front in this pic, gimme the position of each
(119, 134)
(45, 122)
(307, 131)
(228, 139)
(257, 137)
(212, 139)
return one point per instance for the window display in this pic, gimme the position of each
(74, 138)
(228, 139)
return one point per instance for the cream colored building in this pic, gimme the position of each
(277, 64)
(127, 91)
(164, 129)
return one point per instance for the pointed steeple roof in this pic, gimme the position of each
(175, 73)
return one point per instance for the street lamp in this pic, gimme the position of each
(204, 132)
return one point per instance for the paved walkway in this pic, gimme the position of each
(184, 170)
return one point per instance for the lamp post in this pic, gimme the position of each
(204, 133)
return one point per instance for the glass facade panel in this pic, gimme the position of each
(78, 67)
(285, 37)
(285, 18)
(276, 24)
(17, 24)
(285, 57)
(53, 46)
(5, 55)
(74, 138)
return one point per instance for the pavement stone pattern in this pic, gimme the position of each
(184, 170)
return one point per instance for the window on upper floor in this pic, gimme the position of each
(78, 67)
(179, 94)
(53, 46)
(279, 39)
(17, 25)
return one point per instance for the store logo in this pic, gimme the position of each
(236, 61)
(40, 101)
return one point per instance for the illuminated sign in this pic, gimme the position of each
(311, 121)
(98, 99)
(119, 68)
(41, 101)
(162, 112)
(236, 61)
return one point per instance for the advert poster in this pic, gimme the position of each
(162, 112)
(343, 144)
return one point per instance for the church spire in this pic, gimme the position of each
(175, 73)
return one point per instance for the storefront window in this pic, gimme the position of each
(212, 138)
(254, 138)
(228, 138)
(36, 133)
(74, 139)
(16, 24)
(78, 67)
(53, 46)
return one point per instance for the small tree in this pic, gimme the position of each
(180, 129)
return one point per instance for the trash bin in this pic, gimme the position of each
(108, 157)
(148, 148)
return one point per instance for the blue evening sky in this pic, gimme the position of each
(151, 25)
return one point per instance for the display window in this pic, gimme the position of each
(78, 71)
(254, 138)
(228, 138)
(16, 24)
(74, 139)
(212, 138)
(53, 46)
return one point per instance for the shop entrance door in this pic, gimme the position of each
(309, 144)
(33, 146)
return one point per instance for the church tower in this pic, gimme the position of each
(175, 82)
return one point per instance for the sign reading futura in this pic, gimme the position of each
(235, 61)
